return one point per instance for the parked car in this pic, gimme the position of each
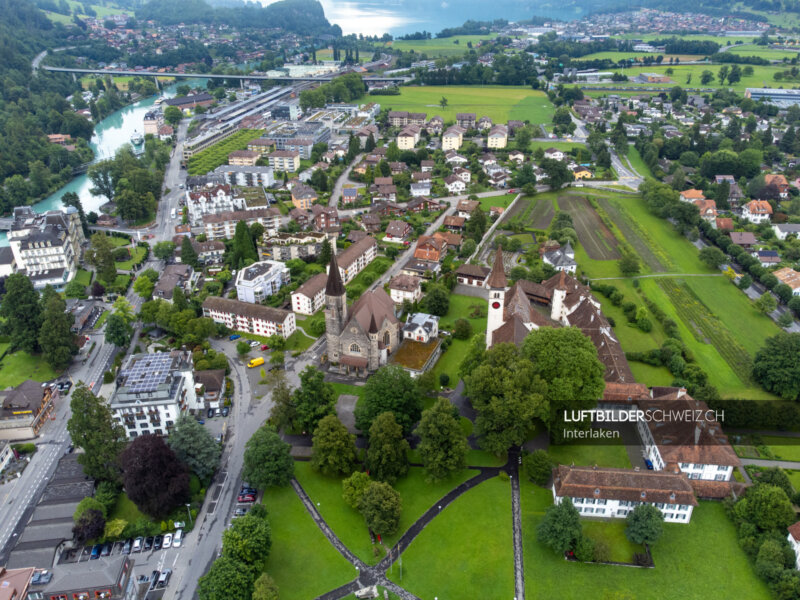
(148, 543)
(225, 411)
(154, 580)
(241, 511)
(649, 464)
(138, 543)
(163, 580)
(248, 490)
(254, 344)
(264, 347)
(177, 538)
(157, 541)
(210, 413)
(245, 498)
(218, 412)
(96, 549)
(167, 543)
(126, 548)
(107, 548)
(235, 336)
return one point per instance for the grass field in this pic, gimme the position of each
(726, 572)
(617, 56)
(125, 509)
(441, 46)
(637, 163)
(21, 366)
(467, 551)
(300, 548)
(137, 256)
(763, 52)
(460, 307)
(101, 319)
(588, 455)
(497, 102)
(84, 277)
(762, 75)
(417, 495)
(613, 532)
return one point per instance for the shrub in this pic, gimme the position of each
(644, 324)
(444, 379)
(108, 377)
(602, 551)
(584, 549)
(462, 329)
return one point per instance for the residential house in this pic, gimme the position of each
(285, 160)
(301, 217)
(453, 240)
(244, 158)
(435, 125)
(258, 281)
(421, 188)
(310, 297)
(397, 118)
(223, 225)
(554, 154)
(691, 195)
(767, 258)
(384, 193)
(303, 196)
(152, 391)
(25, 409)
(516, 156)
(349, 195)
(454, 184)
(408, 138)
(354, 259)
(779, 182)
(209, 387)
(472, 275)
(426, 166)
(405, 287)
(463, 174)
(794, 542)
(424, 269)
(613, 493)
(173, 276)
(465, 208)
(452, 138)
(466, 120)
(397, 231)
(430, 249)
(325, 218)
(484, 124)
(454, 223)
(452, 157)
(790, 277)
(783, 230)
(498, 137)
(398, 167)
(708, 210)
(288, 246)
(757, 211)
(249, 318)
(421, 327)
(581, 173)
(724, 224)
(371, 223)
(561, 259)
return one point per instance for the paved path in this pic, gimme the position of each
(516, 519)
(343, 178)
(783, 464)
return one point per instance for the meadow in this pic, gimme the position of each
(451, 46)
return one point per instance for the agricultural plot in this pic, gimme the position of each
(542, 214)
(211, 158)
(597, 240)
(450, 46)
(706, 327)
(633, 233)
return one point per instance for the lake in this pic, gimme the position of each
(399, 17)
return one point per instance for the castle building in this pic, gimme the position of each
(362, 337)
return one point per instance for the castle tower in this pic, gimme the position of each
(335, 309)
(559, 295)
(497, 285)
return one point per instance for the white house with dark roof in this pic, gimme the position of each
(261, 280)
(421, 327)
(561, 259)
(310, 297)
(794, 542)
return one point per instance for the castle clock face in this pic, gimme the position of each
(495, 305)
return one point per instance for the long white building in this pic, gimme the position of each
(250, 318)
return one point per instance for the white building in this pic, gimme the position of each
(405, 287)
(562, 259)
(223, 225)
(786, 229)
(554, 153)
(421, 327)
(454, 184)
(310, 297)
(613, 493)
(354, 259)
(210, 199)
(256, 176)
(261, 280)
(6, 454)
(46, 247)
(151, 392)
(249, 318)
(757, 211)
(794, 542)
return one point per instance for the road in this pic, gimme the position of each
(343, 178)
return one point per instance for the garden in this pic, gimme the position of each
(211, 158)
(474, 310)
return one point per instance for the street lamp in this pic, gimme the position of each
(190, 514)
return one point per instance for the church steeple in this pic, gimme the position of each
(334, 285)
(497, 284)
(497, 278)
(335, 310)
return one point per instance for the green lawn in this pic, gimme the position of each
(497, 102)
(137, 255)
(21, 366)
(467, 551)
(84, 277)
(784, 448)
(101, 319)
(418, 496)
(613, 532)
(794, 478)
(441, 46)
(299, 342)
(637, 163)
(366, 277)
(709, 543)
(761, 74)
(460, 307)
(617, 56)
(763, 52)
(299, 548)
(588, 455)
(344, 388)
(125, 509)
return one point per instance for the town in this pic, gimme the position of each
(504, 311)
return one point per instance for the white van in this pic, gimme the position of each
(173, 214)
(177, 538)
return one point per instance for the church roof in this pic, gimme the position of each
(372, 309)
(334, 285)
(497, 278)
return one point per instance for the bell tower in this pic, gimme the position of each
(335, 309)
(497, 285)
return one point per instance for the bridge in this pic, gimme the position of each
(129, 73)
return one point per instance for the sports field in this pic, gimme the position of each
(451, 46)
(496, 102)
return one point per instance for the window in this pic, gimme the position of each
(602, 502)
(387, 339)
(722, 468)
(683, 507)
(694, 475)
(720, 478)
(355, 348)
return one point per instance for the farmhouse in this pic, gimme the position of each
(472, 275)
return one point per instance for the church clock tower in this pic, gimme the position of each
(497, 284)
(335, 310)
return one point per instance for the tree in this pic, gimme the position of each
(538, 467)
(265, 588)
(476, 225)
(467, 248)
(443, 445)
(225, 574)
(100, 255)
(75, 289)
(786, 319)
(745, 281)
(194, 446)
(387, 455)
(243, 251)
(766, 303)
(325, 252)
(443, 102)
(102, 178)
(767, 507)
(334, 448)
(354, 487)
(72, 199)
(173, 115)
(381, 507)
(267, 459)
(629, 264)
(706, 77)
(560, 528)
(522, 137)
(188, 254)
(144, 286)
(390, 389)
(164, 250)
(22, 313)
(242, 347)
(645, 524)
(155, 479)
(118, 332)
(777, 365)
(314, 399)
(55, 337)
(88, 503)
(89, 526)
(437, 300)
(247, 540)
(712, 256)
(93, 429)
(283, 412)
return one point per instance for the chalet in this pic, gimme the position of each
(405, 287)
(745, 239)
(420, 188)
(454, 184)
(371, 223)
(454, 158)
(767, 258)
(397, 231)
(463, 174)
(790, 277)
(417, 176)
(757, 211)
(430, 249)
(472, 275)
(427, 166)
(691, 195)
(385, 193)
(554, 154)
(779, 182)
(398, 167)
(454, 222)
(301, 217)
(465, 208)
(708, 210)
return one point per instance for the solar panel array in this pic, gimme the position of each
(147, 372)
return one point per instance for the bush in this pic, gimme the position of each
(108, 377)
(644, 324)
(462, 329)
(444, 379)
(538, 467)
(584, 549)
(28, 448)
(602, 551)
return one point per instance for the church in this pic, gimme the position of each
(563, 302)
(363, 336)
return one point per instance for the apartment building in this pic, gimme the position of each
(249, 318)
(223, 225)
(261, 280)
(256, 176)
(310, 297)
(353, 259)
(285, 160)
